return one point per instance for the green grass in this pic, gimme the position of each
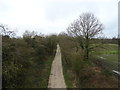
(109, 54)
(112, 60)
(110, 49)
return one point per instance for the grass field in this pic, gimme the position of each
(109, 54)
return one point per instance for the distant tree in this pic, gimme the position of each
(51, 42)
(4, 31)
(29, 34)
(85, 28)
(29, 37)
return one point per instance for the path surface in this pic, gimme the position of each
(56, 79)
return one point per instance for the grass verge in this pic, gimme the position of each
(66, 75)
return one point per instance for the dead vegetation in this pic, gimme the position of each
(80, 73)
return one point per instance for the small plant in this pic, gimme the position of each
(107, 72)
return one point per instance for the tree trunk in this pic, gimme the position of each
(87, 48)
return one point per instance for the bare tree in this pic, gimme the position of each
(85, 28)
(4, 31)
(29, 34)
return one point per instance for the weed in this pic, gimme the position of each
(107, 72)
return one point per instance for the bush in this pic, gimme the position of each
(24, 60)
(107, 72)
(77, 61)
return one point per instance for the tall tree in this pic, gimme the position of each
(85, 28)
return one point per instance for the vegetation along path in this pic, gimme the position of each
(56, 79)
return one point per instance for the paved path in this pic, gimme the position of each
(56, 79)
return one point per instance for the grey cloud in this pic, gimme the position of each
(60, 13)
(60, 10)
(106, 11)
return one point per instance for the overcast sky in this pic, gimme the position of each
(54, 16)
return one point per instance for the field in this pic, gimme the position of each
(109, 55)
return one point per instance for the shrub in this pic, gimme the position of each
(107, 72)
(23, 58)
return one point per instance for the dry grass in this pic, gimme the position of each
(94, 78)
